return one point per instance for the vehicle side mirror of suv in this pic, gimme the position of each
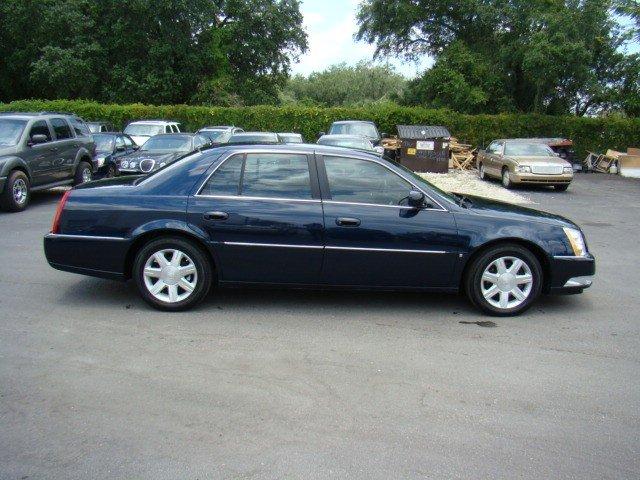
(120, 148)
(416, 198)
(38, 138)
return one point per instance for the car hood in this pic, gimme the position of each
(158, 156)
(494, 208)
(539, 161)
(5, 150)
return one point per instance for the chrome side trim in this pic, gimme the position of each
(84, 237)
(274, 245)
(392, 250)
(274, 199)
(571, 257)
(400, 207)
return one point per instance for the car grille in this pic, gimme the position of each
(547, 169)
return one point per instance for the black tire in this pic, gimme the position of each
(561, 188)
(481, 173)
(111, 171)
(83, 167)
(473, 281)
(204, 272)
(506, 181)
(10, 200)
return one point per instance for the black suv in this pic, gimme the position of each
(39, 151)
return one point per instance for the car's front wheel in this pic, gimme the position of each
(172, 274)
(17, 192)
(481, 172)
(506, 179)
(504, 280)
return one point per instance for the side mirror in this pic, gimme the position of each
(136, 147)
(320, 134)
(38, 138)
(120, 148)
(416, 198)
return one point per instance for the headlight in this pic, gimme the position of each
(124, 164)
(576, 240)
(566, 170)
(147, 165)
(523, 169)
(100, 160)
(133, 164)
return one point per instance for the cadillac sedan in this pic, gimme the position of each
(311, 216)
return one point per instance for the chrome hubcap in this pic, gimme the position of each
(20, 191)
(505, 179)
(86, 175)
(481, 171)
(170, 275)
(507, 282)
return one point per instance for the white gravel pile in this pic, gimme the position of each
(468, 183)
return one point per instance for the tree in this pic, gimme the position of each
(345, 85)
(152, 51)
(546, 56)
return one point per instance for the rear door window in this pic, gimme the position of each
(226, 179)
(61, 128)
(80, 128)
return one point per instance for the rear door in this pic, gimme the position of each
(373, 238)
(67, 147)
(263, 214)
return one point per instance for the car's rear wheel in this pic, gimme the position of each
(172, 274)
(504, 280)
(17, 192)
(83, 173)
(506, 180)
(561, 188)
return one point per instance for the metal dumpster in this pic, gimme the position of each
(424, 148)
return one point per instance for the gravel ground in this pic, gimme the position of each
(468, 183)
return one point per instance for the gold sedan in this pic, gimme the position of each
(521, 162)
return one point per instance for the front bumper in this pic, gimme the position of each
(534, 178)
(571, 274)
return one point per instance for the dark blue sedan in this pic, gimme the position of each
(311, 216)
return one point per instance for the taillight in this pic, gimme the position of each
(55, 226)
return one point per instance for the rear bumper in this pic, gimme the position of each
(571, 274)
(88, 255)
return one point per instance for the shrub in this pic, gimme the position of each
(588, 134)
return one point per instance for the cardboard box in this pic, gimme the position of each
(633, 151)
(629, 165)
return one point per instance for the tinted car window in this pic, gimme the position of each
(226, 179)
(276, 175)
(61, 128)
(128, 142)
(40, 128)
(362, 181)
(119, 141)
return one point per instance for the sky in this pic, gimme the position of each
(331, 25)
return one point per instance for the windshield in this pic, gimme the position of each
(365, 129)
(516, 149)
(11, 131)
(254, 138)
(361, 144)
(143, 129)
(212, 135)
(104, 143)
(290, 137)
(94, 127)
(181, 144)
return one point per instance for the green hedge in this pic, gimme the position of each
(588, 134)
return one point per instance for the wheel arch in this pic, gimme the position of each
(534, 248)
(15, 163)
(141, 240)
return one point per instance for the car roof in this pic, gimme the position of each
(303, 148)
(218, 127)
(152, 122)
(345, 137)
(30, 115)
(175, 135)
(253, 134)
(353, 121)
(290, 133)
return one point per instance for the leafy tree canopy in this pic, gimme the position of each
(217, 52)
(546, 56)
(340, 85)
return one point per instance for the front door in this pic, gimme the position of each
(40, 156)
(263, 215)
(373, 238)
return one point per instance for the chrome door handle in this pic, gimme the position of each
(215, 215)
(348, 222)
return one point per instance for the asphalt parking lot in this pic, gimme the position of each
(267, 384)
